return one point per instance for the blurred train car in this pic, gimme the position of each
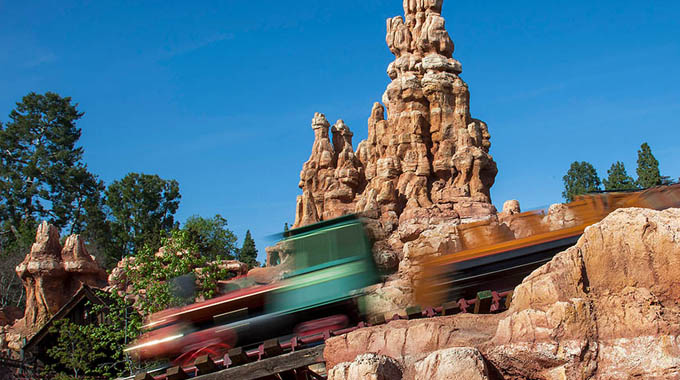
(329, 263)
(500, 261)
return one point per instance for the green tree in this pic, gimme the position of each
(618, 178)
(42, 175)
(211, 236)
(72, 350)
(151, 276)
(248, 253)
(647, 168)
(97, 349)
(581, 178)
(141, 206)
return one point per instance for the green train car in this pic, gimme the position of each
(329, 264)
(331, 261)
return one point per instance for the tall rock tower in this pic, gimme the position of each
(426, 161)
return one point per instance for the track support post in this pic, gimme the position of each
(483, 304)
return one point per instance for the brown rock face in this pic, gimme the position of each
(428, 154)
(425, 162)
(458, 363)
(408, 341)
(330, 178)
(367, 367)
(437, 348)
(10, 314)
(607, 308)
(52, 274)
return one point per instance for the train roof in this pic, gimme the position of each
(321, 225)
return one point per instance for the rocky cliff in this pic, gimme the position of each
(607, 308)
(425, 155)
(425, 164)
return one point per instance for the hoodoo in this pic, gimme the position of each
(426, 161)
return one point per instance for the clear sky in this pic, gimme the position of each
(220, 95)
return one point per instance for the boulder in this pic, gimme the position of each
(367, 367)
(458, 363)
(405, 340)
(607, 308)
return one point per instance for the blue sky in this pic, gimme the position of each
(220, 95)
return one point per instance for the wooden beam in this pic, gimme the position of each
(143, 376)
(271, 366)
(176, 373)
(205, 364)
(483, 304)
(272, 348)
(237, 356)
(377, 319)
(413, 312)
(450, 308)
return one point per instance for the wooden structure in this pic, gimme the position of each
(78, 310)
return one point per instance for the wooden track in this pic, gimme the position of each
(270, 366)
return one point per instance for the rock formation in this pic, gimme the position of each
(607, 308)
(421, 349)
(428, 158)
(367, 367)
(426, 161)
(52, 274)
(410, 341)
(330, 179)
(9, 314)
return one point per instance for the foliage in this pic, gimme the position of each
(211, 236)
(15, 242)
(581, 178)
(647, 168)
(141, 206)
(96, 349)
(12, 292)
(150, 275)
(72, 350)
(248, 253)
(42, 175)
(618, 178)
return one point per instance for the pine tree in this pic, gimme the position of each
(618, 178)
(42, 173)
(248, 253)
(581, 178)
(648, 168)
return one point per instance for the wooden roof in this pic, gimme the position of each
(84, 294)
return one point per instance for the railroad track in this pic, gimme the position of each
(291, 358)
